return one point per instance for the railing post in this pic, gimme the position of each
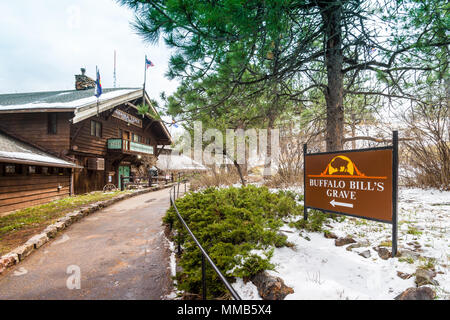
(203, 277)
(122, 187)
(179, 244)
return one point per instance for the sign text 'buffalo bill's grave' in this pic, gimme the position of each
(360, 183)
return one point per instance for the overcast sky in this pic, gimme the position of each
(44, 43)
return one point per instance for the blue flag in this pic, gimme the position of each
(98, 85)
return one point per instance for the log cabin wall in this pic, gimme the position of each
(22, 189)
(33, 128)
(81, 137)
(84, 145)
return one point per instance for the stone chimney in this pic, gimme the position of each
(83, 82)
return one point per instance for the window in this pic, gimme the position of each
(96, 129)
(136, 138)
(10, 169)
(32, 170)
(52, 123)
(45, 170)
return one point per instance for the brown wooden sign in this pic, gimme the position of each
(122, 115)
(361, 183)
(357, 183)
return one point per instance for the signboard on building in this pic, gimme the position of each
(122, 115)
(360, 183)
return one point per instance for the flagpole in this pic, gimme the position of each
(96, 73)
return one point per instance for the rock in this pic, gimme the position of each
(384, 253)
(330, 235)
(75, 216)
(23, 251)
(107, 203)
(365, 254)
(339, 242)
(270, 287)
(422, 293)
(404, 275)
(86, 211)
(357, 245)
(38, 240)
(59, 226)
(7, 261)
(66, 220)
(405, 253)
(51, 231)
(424, 277)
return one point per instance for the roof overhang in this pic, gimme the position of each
(39, 163)
(87, 111)
(90, 110)
(71, 109)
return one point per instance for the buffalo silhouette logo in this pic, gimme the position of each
(342, 166)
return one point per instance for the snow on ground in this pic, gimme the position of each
(317, 269)
(174, 295)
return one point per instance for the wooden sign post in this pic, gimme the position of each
(360, 183)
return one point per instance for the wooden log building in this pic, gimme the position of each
(53, 144)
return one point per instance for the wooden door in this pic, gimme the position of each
(126, 140)
(123, 171)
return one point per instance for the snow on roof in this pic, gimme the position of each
(14, 151)
(178, 162)
(70, 100)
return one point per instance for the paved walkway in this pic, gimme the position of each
(120, 251)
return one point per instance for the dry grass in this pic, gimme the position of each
(20, 225)
(214, 179)
(280, 180)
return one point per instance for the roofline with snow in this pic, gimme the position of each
(40, 163)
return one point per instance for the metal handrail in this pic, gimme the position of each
(204, 254)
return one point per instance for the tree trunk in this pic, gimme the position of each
(238, 167)
(353, 130)
(268, 161)
(331, 12)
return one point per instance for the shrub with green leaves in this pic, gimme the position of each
(238, 227)
(315, 221)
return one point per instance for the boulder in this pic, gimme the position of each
(405, 253)
(339, 242)
(51, 231)
(86, 211)
(75, 216)
(7, 261)
(422, 293)
(384, 253)
(38, 240)
(404, 275)
(365, 254)
(59, 226)
(330, 235)
(357, 245)
(67, 221)
(424, 277)
(270, 287)
(24, 250)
